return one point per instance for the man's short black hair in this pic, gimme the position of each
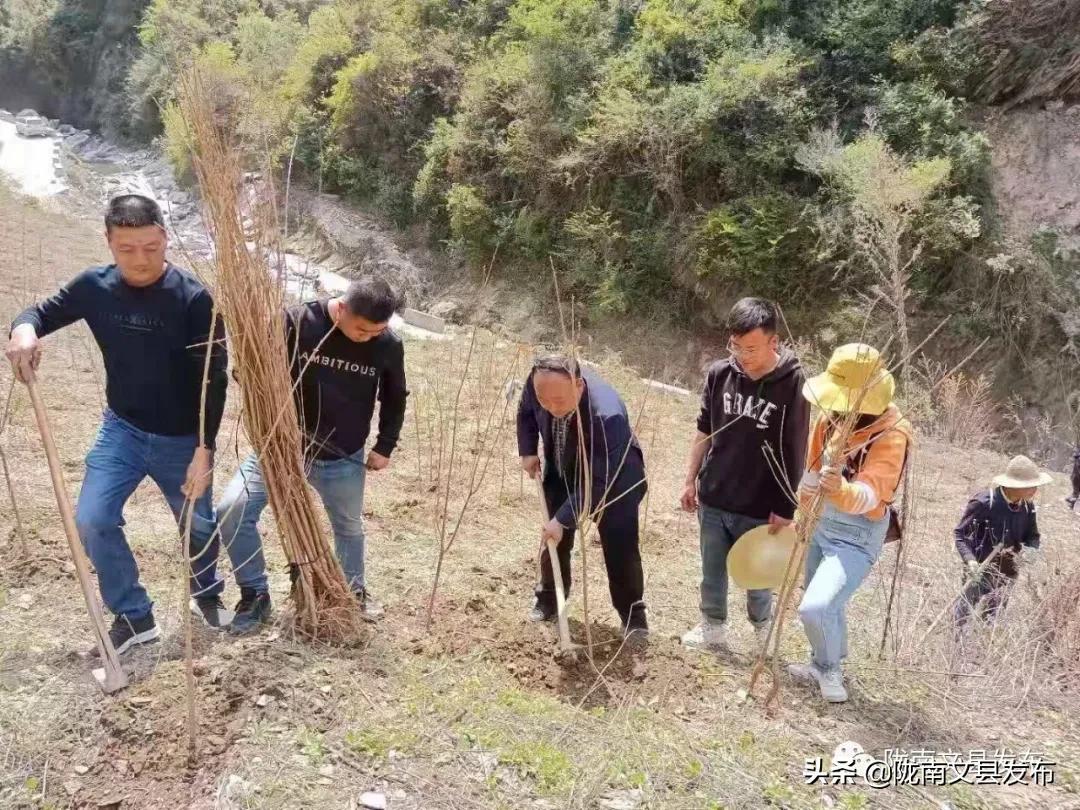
(557, 363)
(749, 314)
(372, 298)
(133, 211)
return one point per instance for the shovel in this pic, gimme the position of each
(111, 677)
(567, 648)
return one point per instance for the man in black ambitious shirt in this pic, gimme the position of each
(345, 357)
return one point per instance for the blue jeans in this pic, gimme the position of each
(120, 459)
(842, 551)
(719, 531)
(340, 484)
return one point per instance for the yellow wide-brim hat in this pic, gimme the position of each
(759, 559)
(856, 379)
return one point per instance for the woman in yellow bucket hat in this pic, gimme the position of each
(859, 482)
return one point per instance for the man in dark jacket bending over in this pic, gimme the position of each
(593, 466)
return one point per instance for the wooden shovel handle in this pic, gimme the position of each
(115, 678)
(556, 571)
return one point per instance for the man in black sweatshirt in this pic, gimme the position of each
(152, 322)
(345, 357)
(746, 460)
(584, 426)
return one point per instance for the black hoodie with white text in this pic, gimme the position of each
(758, 432)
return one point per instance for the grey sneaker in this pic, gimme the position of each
(126, 633)
(542, 612)
(212, 611)
(804, 673)
(707, 636)
(637, 625)
(831, 683)
(832, 686)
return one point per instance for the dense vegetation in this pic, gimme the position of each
(665, 154)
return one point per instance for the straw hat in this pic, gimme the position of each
(854, 370)
(759, 559)
(1020, 473)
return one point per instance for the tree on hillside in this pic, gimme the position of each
(880, 198)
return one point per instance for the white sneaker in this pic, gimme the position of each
(707, 636)
(830, 683)
(804, 673)
(832, 686)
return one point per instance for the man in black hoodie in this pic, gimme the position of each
(746, 460)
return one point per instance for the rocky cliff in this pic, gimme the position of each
(71, 62)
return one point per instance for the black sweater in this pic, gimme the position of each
(758, 431)
(153, 341)
(990, 520)
(340, 383)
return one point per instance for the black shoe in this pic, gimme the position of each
(542, 612)
(252, 610)
(637, 625)
(1071, 502)
(212, 611)
(370, 609)
(126, 633)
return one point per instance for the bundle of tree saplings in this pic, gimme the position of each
(251, 302)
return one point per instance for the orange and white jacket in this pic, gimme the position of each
(873, 462)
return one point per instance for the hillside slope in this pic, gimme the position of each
(475, 712)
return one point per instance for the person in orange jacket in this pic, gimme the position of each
(859, 483)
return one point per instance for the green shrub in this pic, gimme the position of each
(758, 245)
(650, 147)
(472, 222)
(921, 120)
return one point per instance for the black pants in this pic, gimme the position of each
(1076, 480)
(619, 535)
(985, 597)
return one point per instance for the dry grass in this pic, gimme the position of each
(477, 714)
(1058, 626)
(474, 383)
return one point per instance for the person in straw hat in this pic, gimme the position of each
(997, 524)
(858, 481)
